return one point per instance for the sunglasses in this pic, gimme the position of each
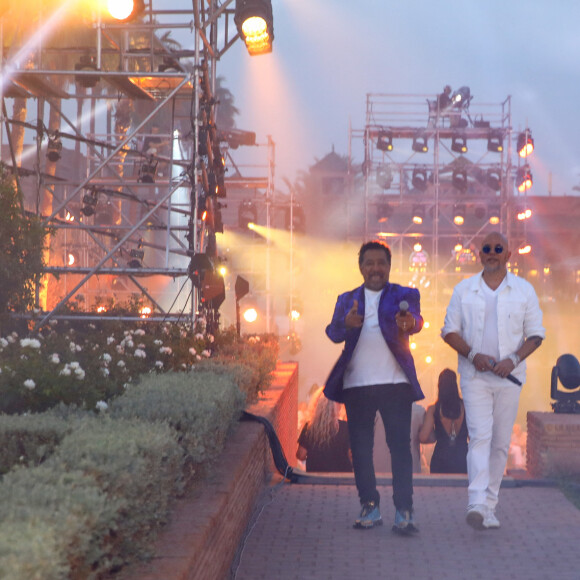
(498, 249)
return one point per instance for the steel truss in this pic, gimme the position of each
(129, 216)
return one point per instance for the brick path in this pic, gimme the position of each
(304, 532)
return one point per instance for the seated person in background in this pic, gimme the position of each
(381, 454)
(445, 424)
(323, 442)
(444, 99)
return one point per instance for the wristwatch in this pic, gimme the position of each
(515, 359)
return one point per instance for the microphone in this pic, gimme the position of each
(510, 377)
(403, 307)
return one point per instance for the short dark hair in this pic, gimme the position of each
(374, 245)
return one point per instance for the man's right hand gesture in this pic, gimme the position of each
(352, 319)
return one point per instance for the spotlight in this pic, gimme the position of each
(523, 213)
(567, 369)
(384, 176)
(525, 144)
(459, 214)
(525, 249)
(54, 148)
(461, 97)
(495, 143)
(296, 221)
(384, 212)
(418, 214)
(494, 179)
(125, 10)
(247, 214)
(419, 179)
(86, 63)
(90, 201)
(250, 314)
(385, 141)
(420, 144)
(136, 260)
(72, 259)
(494, 215)
(169, 65)
(459, 144)
(148, 171)
(255, 24)
(524, 180)
(459, 180)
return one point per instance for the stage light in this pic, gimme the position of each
(494, 179)
(147, 171)
(420, 144)
(524, 249)
(385, 141)
(169, 65)
(125, 10)
(136, 260)
(524, 180)
(419, 179)
(72, 259)
(459, 214)
(495, 143)
(459, 144)
(145, 311)
(54, 148)
(296, 222)
(90, 201)
(247, 214)
(86, 63)
(250, 314)
(384, 212)
(255, 24)
(459, 179)
(461, 97)
(567, 369)
(523, 213)
(384, 176)
(418, 214)
(525, 144)
(494, 215)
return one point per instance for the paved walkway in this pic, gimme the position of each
(304, 531)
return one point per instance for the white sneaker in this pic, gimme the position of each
(490, 522)
(475, 516)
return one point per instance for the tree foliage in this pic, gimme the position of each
(22, 244)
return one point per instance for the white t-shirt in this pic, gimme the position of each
(372, 362)
(490, 343)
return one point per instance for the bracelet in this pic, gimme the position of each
(471, 356)
(515, 359)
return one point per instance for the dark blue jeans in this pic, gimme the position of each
(394, 404)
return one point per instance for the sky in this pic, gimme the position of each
(328, 54)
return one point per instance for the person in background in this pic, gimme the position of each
(376, 372)
(444, 100)
(445, 426)
(323, 441)
(494, 322)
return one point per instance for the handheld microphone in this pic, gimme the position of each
(403, 307)
(509, 377)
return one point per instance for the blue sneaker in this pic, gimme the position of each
(404, 524)
(370, 516)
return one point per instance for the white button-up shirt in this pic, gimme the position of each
(518, 317)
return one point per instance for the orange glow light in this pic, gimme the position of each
(145, 312)
(250, 315)
(101, 309)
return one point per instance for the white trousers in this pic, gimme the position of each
(490, 411)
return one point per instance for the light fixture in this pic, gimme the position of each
(385, 141)
(54, 148)
(494, 179)
(136, 260)
(494, 215)
(72, 258)
(524, 180)
(495, 143)
(525, 143)
(461, 97)
(86, 63)
(523, 213)
(419, 179)
(459, 214)
(125, 10)
(169, 65)
(420, 144)
(525, 249)
(459, 144)
(384, 176)
(148, 171)
(295, 218)
(255, 24)
(459, 179)
(418, 214)
(247, 214)
(90, 201)
(384, 212)
(567, 370)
